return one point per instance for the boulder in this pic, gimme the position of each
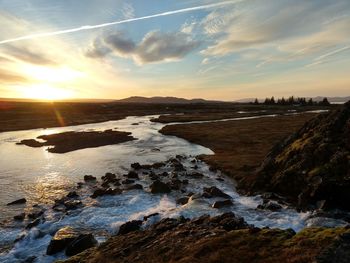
(159, 187)
(18, 202)
(108, 191)
(182, 200)
(61, 240)
(136, 166)
(132, 175)
(130, 227)
(81, 243)
(220, 204)
(35, 213)
(33, 223)
(72, 204)
(128, 181)
(196, 175)
(89, 178)
(19, 217)
(72, 194)
(272, 206)
(214, 192)
(135, 187)
(109, 177)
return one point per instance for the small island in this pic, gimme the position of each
(72, 141)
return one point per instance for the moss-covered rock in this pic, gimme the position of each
(312, 166)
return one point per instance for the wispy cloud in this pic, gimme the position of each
(89, 27)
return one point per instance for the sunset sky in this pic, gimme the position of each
(210, 49)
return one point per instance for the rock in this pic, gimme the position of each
(220, 204)
(130, 227)
(61, 240)
(19, 217)
(89, 178)
(179, 167)
(29, 259)
(72, 194)
(164, 174)
(108, 191)
(132, 175)
(185, 181)
(159, 187)
(72, 204)
(158, 165)
(135, 187)
(214, 192)
(33, 223)
(145, 218)
(128, 181)
(196, 175)
(182, 200)
(229, 221)
(109, 177)
(219, 179)
(80, 185)
(136, 166)
(272, 206)
(175, 184)
(18, 202)
(35, 214)
(81, 243)
(153, 177)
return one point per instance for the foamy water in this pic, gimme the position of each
(40, 177)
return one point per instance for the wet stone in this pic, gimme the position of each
(18, 202)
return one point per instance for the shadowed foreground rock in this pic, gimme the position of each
(312, 166)
(224, 238)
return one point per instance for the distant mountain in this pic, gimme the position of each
(165, 100)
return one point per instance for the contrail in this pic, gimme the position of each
(88, 27)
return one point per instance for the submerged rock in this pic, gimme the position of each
(159, 187)
(108, 191)
(220, 204)
(132, 175)
(33, 223)
(269, 205)
(18, 202)
(135, 187)
(89, 178)
(182, 200)
(213, 191)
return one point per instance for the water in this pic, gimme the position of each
(41, 177)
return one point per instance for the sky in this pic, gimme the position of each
(222, 50)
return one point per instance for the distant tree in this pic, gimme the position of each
(325, 102)
(291, 100)
(267, 101)
(256, 102)
(272, 101)
(283, 101)
(310, 102)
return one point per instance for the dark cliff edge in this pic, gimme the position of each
(224, 238)
(312, 166)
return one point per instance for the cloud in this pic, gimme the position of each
(155, 46)
(9, 77)
(271, 23)
(27, 54)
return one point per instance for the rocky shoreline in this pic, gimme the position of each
(224, 238)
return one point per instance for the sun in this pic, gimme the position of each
(46, 92)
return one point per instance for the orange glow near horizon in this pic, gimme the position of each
(46, 92)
